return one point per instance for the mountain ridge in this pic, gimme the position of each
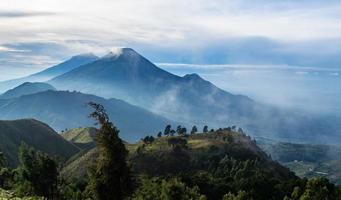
(25, 89)
(65, 110)
(50, 72)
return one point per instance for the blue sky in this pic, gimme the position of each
(36, 34)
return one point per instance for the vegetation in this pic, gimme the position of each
(36, 134)
(37, 173)
(307, 160)
(110, 179)
(225, 164)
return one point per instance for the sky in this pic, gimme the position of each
(36, 34)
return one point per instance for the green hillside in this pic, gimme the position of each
(33, 133)
(161, 156)
(81, 137)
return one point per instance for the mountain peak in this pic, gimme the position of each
(119, 52)
(193, 76)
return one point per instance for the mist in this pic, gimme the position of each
(311, 89)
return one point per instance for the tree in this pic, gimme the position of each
(167, 130)
(4, 172)
(111, 177)
(37, 172)
(2, 160)
(318, 188)
(172, 132)
(194, 130)
(183, 131)
(162, 189)
(205, 129)
(159, 134)
(148, 139)
(178, 130)
(240, 196)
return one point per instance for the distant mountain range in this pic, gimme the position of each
(131, 77)
(64, 110)
(25, 89)
(51, 72)
(188, 100)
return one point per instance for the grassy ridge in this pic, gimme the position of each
(162, 157)
(33, 133)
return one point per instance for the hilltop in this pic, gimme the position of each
(180, 154)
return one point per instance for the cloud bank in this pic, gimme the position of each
(255, 30)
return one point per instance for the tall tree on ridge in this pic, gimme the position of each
(111, 178)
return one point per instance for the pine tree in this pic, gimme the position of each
(194, 130)
(167, 130)
(205, 129)
(111, 178)
(159, 134)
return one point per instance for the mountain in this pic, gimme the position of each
(129, 76)
(51, 72)
(65, 110)
(190, 99)
(26, 88)
(33, 133)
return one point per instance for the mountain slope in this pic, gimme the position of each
(51, 72)
(84, 138)
(65, 110)
(33, 133)
(191, 99)
(131, 77)
(26, 88)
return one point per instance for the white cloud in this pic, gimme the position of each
(116, 22)
(8, 49)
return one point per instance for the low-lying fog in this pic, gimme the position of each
(314, 89)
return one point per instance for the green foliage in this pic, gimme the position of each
(159, 134)
(194, 130)
(37, 173)
(242, 195)
(317, 189)
(148, 139)
(167, 130)
(2, 160)
(162, 189)
(36, 134)
(110, 179)
(69, 191)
